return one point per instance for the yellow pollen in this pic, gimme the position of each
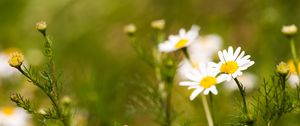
(208, 81)
(8, 111)
(229, 67)
(181, 43)
(292, 67)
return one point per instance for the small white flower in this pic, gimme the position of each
(293, 80)
(232, 63)
(202, 79)
(13, 117)
(249, 81)
(183, 39)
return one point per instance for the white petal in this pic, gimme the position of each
(221, 57)
(188, 83)
(195, 93)
(230, 53)
(192, 77)
(214, 90)
(221, 78)
(206, 91)
(166, 47)
(236, 53)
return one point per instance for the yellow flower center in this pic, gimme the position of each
(8, 111)
(292, 66)
(208, 81)
(181, 43)
(229, 67)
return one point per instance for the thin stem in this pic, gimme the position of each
(211, 105)
(243, 94)
(294, 54)
(168, 106)
(207, 111)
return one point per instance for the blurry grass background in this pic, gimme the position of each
(100, 68)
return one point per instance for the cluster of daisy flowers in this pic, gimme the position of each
(201, 73)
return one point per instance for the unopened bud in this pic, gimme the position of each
(158, 24)
(130, 29)
(289, 30)
(66, 100)
(16, 59)
(41, 26)
(282, 68)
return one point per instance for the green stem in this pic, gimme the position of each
(211, 105)
(168, 106)
(243, 94)
(207, 111)
(294, 54)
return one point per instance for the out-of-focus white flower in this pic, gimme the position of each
(248, 80)
(200, 51)
(293, 78)
(202, 79)
(232, 63)
(183, 39)
(10, 116)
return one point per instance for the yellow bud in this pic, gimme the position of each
(282, 68)
(158, 24)
(16, 59)
(130, 29)
(289, 30)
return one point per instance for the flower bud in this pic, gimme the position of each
(16, 59)
(130, 29)
(158, 24)
(66, 100)
(282, 68)
(289, 30)
(41, 26)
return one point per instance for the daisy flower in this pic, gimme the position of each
(183, 39)
(201, 51)
(202, 79)
(232, 63)
(10, 116)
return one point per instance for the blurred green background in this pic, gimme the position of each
(100, 69)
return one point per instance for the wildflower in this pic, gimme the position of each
(158, 24)
(248, 79)
(232, 63)
(10, 116)
(130, 29)
(201, 51)
(5, 68)
(282, 68)
(16, 59)
(41, 26)
(289, 30)
(202, 79)
(183, 39)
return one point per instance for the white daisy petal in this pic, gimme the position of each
(195, 93)
(188, 83)
(214, 90)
